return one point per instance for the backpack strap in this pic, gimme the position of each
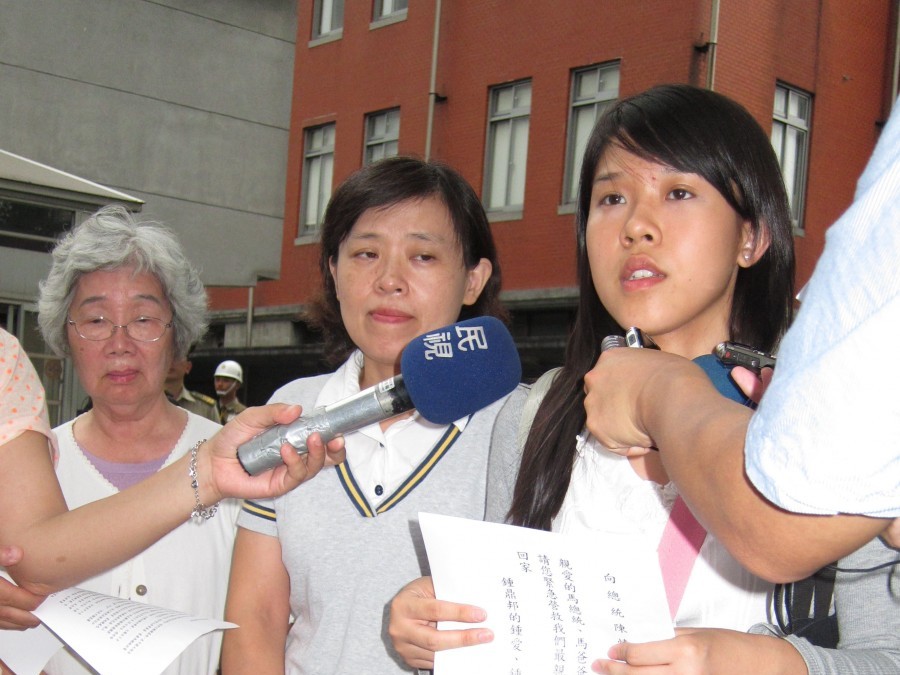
(804, 608)
(533, 402)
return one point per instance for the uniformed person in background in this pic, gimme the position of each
(229, 377)
(197, 403)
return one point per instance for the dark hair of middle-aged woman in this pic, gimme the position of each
(383, 184)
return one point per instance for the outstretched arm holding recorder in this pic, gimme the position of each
(639, 399)
(63, 547)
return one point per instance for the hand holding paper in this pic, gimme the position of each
(415, 613)
(112, 634)
(552, 600)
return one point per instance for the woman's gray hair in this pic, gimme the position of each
(108, 240)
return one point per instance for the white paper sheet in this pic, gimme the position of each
(555, 602)
(27, 652)
(114, 635)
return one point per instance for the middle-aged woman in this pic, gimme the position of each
(122, 301)
(406, 249)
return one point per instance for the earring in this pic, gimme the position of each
(747, 257)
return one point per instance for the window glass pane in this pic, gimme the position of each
(523, 96)
(32, 227)
(798, 108)
(388, 7)
(503, 100)
(796, 151)
(789, 156)
(516, 190)
(377, 126)
(781, 101)
(500, 169)
(327, 14)
(313, 178)
(587, 84)
(325, 184)
(337, 15)
(374, 153)
(609, 81)
(315, 142)
(583, 124)
(778, 141)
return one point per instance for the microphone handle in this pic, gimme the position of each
(375, 404)
(611, 342)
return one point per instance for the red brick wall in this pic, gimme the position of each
(837, 51)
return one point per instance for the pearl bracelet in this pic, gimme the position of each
(200, 511)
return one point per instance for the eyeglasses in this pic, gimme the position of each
(142, 329)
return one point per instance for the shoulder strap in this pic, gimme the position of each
(208, 400)
(533, 402)
(683, 535)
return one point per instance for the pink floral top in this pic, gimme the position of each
(22, 403)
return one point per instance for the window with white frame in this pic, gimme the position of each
(382, 134)
(507, 146)
(386, 8)
(328, 17)
(790, 138)
(594, 89)
(318, 168)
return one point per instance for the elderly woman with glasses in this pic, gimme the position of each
(123, 302)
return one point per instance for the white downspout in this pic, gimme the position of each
(713, 41)
(895, 79)
(432, 84)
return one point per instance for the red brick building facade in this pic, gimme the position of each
(362, 64)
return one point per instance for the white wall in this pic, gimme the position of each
(183, 103)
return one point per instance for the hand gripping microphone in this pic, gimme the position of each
(445, 374)
(717, 371)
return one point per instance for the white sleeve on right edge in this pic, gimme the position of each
(826, 437)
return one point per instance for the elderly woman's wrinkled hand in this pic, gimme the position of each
(221, 475)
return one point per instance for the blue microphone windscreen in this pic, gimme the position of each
(720, 375)
(456, 370)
